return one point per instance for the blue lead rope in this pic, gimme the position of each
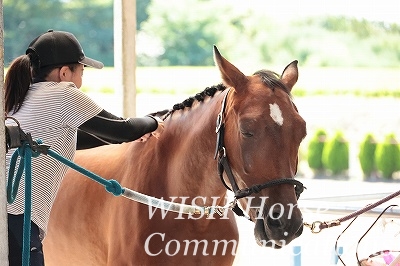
(12, 188)
(26, 152)
(111, 186)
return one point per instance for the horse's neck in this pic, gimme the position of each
(190, 138)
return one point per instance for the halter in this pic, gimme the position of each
(223, 165)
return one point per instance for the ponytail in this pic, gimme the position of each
(17, 82)
(22, 72)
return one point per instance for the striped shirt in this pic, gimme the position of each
(51, 112)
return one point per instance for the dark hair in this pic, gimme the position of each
(17, 82)
(22, 72)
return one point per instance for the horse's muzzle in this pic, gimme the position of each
(276, 234)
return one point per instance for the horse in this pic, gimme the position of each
(242, 134)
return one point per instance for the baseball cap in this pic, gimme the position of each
(60, 47)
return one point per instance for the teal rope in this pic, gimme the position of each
(111, 186)
(28, 208)
(12, 188)
(26, 153)
(13, 182)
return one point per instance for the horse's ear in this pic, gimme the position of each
(231, 76)
(290, 75)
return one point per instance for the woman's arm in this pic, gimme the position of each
(106, 128)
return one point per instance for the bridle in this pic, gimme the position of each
(223, 165)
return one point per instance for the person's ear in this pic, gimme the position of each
(64, 73)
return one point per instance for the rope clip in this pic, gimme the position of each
(220, 210)
(317, 226)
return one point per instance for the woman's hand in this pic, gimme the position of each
(156, 133)
(144, 138)
(160, 129)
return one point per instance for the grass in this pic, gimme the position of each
(380, 82)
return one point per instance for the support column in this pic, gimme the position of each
(125, 54)
(3, 198)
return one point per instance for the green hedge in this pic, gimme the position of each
(315, 149)
(367, 155)
(381, 159)
(387, 156)
(335, 156)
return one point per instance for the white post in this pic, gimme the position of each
(3, 198)
(125, 54)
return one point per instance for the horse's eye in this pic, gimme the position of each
(246, 134)
(247, 127)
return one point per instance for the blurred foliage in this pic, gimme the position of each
(387, 156)
(90, 21)
(335, 155)
(178, 32)
(367, 155)
(315, 150)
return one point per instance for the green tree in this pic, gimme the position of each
(315, 149)
(142, 13)
(24, 20)
(186, 32)
(90, 21)
(388, 156)
(92, 24)
(335, 156)
(183, 32)
(367, 155)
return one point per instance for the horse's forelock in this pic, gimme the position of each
(271, 79)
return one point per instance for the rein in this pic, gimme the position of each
(223, 166)
(317, 226)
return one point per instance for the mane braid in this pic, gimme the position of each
(208, 92)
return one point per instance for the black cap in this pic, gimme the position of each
(60, 47)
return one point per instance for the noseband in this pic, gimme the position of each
(223, 165)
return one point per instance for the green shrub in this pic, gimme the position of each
(335, 156)
(367, 155)
(315, 148)
(387, 156)
(398, 159)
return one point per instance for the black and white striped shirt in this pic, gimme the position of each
(51, 112)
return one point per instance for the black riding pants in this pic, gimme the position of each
(15, 242)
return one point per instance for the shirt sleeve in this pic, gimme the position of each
(114, 129)
(77, 107)
(87, 140)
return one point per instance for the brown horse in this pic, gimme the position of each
(258, 135)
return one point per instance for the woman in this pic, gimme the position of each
(42, 94)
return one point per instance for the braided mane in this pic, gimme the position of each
(209, 91)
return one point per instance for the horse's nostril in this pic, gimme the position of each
(274, 221)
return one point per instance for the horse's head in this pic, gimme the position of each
(262, 134)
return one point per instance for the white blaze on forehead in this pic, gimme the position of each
(276, 113)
